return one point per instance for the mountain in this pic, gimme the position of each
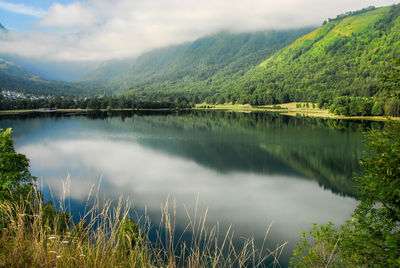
(191, 66)
(51, 69)
(344, 57)
(13, 77)
(106, 71)
(47, 69)
(2, 28)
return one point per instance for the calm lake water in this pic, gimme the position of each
(248, 169)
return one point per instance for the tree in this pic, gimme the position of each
(15, 178)
(391, 80)
(372, 237)
(378, 108)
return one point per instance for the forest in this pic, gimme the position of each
(94, 103)
(342, 58)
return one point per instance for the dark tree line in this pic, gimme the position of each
(96, 102)
(358, 106)
(351, 13)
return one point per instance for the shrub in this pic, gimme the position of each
(378, 108)
(15, 179)
(372, 237)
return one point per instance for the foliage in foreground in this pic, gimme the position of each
(372, 236)
(15, 178)
(107, 237)
(33, 237)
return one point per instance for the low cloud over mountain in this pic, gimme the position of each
(98, 30)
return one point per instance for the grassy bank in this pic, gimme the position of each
(291, 109)
(35, 234)
(16, 112)
(11, 112)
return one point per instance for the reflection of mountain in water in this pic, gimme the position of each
(224, 158)
(325, 150)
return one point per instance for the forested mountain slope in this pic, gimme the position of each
(344, 57)
(191, 67)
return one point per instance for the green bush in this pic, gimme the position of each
(378, 108)
(372, 237)
(318, 248)
(353, 106)
(15, 179)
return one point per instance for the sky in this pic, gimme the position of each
(101, 30)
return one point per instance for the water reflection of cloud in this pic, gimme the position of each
(249, 201)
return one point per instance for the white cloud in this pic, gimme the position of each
(22, 9)
(148, 176)
(75, 14)
(106, 29)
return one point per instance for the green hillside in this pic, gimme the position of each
(190, 68)
(344, 57)
(105, 71)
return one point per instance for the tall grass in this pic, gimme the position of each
(35, 234)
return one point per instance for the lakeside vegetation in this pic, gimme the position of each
(124, 103)
(303, 109)
(283, 109)
(371, 237)
(92, 103)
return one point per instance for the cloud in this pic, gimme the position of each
(98, 30)
(146, 176)
(75, 14)
(22, 9)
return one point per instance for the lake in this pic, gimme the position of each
(248, 169)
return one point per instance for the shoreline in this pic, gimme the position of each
(77, 111)
(284, 109)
